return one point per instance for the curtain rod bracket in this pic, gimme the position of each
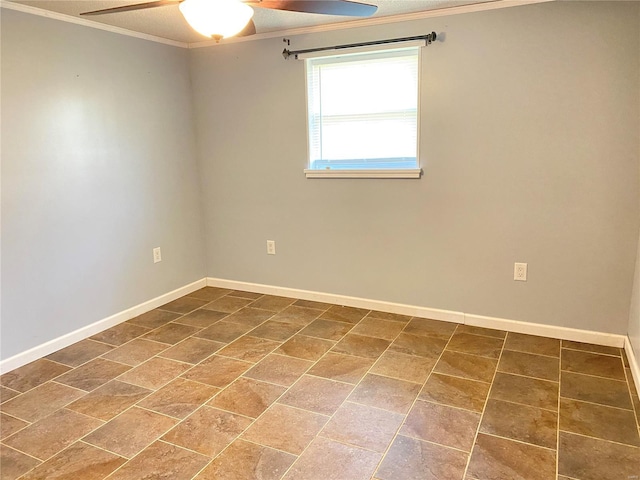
(286, 53)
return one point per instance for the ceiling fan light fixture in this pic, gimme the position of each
(216, 18)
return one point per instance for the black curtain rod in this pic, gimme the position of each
(287, 53)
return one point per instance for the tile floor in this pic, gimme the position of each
(224, 384)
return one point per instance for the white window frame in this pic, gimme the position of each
(365, 173)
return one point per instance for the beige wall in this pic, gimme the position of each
(529, 145)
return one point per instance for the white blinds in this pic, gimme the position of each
(363, 110)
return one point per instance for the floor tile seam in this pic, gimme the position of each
(597, 404)
(474, 354)
(484, 409)
(398, 378)
(415, 437)
(6, 445)
(489, 397)
(447, 405)
(315, 338)
(520, 442)
(389, 319)
(167, 346)
(527, 376)
(635, 413)
(480, 334)
(636, 447)
(325, 378)
(13, 391)
(457, 376)
(593, 353)
(553, 449)
(397, 432)
(244, 360)
(594, 376)
(17, 431)
(159, 355)
(352, 445)
(351, 332)
(557, 357)
(83, 363)
(266, 446)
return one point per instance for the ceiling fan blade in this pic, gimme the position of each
(326, 7)
(250, 29)
(136, 6)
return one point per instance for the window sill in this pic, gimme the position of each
(406, 173)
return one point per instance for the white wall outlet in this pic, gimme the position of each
(520, 272)
(157, 255)
(271, 247)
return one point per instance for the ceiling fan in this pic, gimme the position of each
(227, 18)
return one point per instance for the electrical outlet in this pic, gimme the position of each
(271, 247)
(157, 255)
(520, 272)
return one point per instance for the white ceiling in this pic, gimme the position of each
(167, 22)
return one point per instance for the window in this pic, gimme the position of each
(363, 113)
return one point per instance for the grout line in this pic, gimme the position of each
(484, 409)
(596, 404)
(529, 376)
(637, 447)
(591, 352)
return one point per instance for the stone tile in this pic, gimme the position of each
(14, 463)
(317, 394)
(224, 332)
(93, 374)
(192, 350)
(41, 401)
(273, 303)
(532, 344)
(455, 392)
(162, 461)
(625, 359)
(599, 421)
(279, 369)
(10, 425)
(591, 459)
(326, 329)
(135, 352)
(350, 315)
(52, 434)
(383, 392)
(604, 391)
(210, 293)
(494, 457)
(7, 394)
(297, 315)
(395, 317)
(529, 365)
(79, 353)
(487, 332)
(430, 328)
(312, 304)
(171, 333)
(208, 431)
(422, 346)
(363, 426)
(32, 374)
(154, 319)
(245, 460)
(409, 458)
(131, 432)
(184, 305)
(467, 366)
(243, 294)
(306, 348)
(328, 459)
(109, 400)
(405, 367)
(275, 330)
(179, 398)
(201, 318)
(154, 373)
(249, 316)
(448, 426)
(525, 390)
(250, 349)
(286, 428)
(247, 397)
(79, 461)
(217, 371)
(589, 347)
(476, 345)
(631, 381)
(520, 422)
(361, 346)
(592, 364)
(379, 328)
(228, 304)
(344, 368)
(120, 334)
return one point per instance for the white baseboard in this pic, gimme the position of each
(56, 344)
(633, 363)
(399, 308)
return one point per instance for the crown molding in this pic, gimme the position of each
(368, 22)
(88, 23)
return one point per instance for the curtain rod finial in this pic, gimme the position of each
(286, 54)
